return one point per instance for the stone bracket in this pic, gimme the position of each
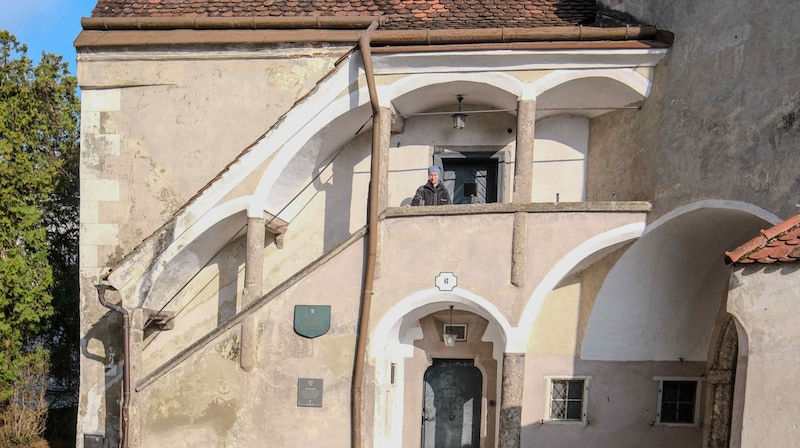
(164, 320)
(277, 227)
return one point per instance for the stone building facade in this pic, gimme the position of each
(251, 274)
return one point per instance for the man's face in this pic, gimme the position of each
(433, 178)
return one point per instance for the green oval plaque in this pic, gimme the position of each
(312, 321)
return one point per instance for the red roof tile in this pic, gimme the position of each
(780, 243)
(402, 14)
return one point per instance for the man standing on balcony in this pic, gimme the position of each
(433, 192)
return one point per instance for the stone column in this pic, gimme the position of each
(253, 272)
(519, 249)
(523, 158)
(511, 399)
(254, 260)
(523, 173)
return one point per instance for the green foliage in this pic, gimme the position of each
(23, 419)
(38, 202)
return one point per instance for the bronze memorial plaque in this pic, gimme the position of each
(309, 392)
(312, 320)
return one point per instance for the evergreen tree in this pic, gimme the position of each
(39, 115)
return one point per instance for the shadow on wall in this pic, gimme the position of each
(102, 418)
(337, 183)
(229, 261)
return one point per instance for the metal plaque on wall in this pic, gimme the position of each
(309, 392)
(312, 321)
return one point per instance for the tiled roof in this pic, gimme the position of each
(402, 14)
(780, 243)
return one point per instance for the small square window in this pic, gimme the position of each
(678, 401)
(460, 330)
(567, 398)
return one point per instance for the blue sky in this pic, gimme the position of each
(46, 25)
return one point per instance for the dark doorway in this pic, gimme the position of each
(721, 378)
(451, 417)
(471, 179)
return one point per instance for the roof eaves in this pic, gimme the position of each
(779, 243)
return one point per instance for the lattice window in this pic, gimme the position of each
(677, 401)
(567, 399)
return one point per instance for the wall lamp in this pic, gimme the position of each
(459, 119)
(449, 336)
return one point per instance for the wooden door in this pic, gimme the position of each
(451, 417)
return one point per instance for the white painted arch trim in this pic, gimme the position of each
(329, 111)
(567, 263)
(627, 76)
(291, 135)
(501, 81)
(208, 220)
(712, 204)
(215, 215)
(323, 107)
(419, 304)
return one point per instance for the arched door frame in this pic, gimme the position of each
(392, 342)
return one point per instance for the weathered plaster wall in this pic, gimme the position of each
(424, 246)
(764, 300)
(153, 133)
(178, 122)
(208, 400)
(622, 397)
(622, 402)
(140, 196)
(723, 120)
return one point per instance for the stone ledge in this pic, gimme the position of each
(534, 207)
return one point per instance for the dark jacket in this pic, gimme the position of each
(431, 195)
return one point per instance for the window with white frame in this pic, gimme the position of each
(678, 401)
(567, 399)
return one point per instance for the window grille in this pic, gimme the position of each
(566, 399)
(678, 401)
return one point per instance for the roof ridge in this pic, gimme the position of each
(769, 247)
(779, 229)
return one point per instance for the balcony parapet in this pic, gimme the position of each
(532, 207)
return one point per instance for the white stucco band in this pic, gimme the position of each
(515, 60)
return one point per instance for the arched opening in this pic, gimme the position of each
(661, 300)
(408, 340)
(721, 383)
